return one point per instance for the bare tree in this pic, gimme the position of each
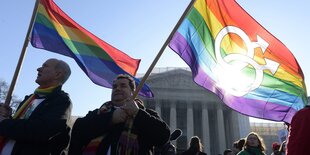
(4, 87)
(3, 90)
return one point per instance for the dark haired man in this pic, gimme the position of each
(121, 126)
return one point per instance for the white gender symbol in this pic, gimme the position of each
(235, 62)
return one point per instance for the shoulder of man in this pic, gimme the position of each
(59, 98)
(62, 95)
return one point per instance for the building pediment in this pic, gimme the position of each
(172, 79)
(177, 83)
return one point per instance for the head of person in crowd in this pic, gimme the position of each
(255, 141)
(122, 89)
(228, 152)
(282, 148)
(238, 145)
(275, 146)
(53, 72)
(195, 144)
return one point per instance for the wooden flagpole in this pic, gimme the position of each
(22, 55)
(162, 49)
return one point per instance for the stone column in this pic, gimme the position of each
(205, 129)
(244, 125)
(221, 130)
(234, 125)
(173, 116)
(190, 121)
(158, 107)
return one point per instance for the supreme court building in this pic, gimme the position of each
(196, 111)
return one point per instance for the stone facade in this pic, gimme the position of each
(195, 110)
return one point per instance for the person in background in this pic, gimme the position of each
(195, 147)
(282, 148)
(39, 126)
(120, 126)
(254, 145)
(238, 146)
(228, 152)
(275, 148)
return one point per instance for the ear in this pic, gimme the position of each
(58, 75)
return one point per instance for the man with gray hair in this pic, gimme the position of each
(39, 125)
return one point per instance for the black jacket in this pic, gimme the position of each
(45, 132)
(151, 131)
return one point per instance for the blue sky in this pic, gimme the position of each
(139, 28)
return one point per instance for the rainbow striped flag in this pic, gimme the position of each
(55, 31)
(234, 57)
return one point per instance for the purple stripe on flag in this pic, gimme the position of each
(180, 46)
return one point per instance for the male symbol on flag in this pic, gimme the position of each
(233, 56)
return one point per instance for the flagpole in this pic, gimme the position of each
(162, 49)
(22, 55)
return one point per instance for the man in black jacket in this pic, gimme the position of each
(39, 126)
(121, 126)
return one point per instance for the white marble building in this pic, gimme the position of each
(194, 110)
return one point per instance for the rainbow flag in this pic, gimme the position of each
(56, 32)
(233, 56)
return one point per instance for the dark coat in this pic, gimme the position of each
(298, 139)
(151, 131)
(45, 132)
(193, 152)
(167, 149)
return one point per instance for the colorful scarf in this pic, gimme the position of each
(20, 113)
(128, 142)
(93, 145)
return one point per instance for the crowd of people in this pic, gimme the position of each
(296, 143)
(121, 126)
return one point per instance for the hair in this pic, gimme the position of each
(195, 144)
(261, 144)
(282, 146)
(239, 144)
(63, 67)
(227, 151)
(131, 81)
(275, 146)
